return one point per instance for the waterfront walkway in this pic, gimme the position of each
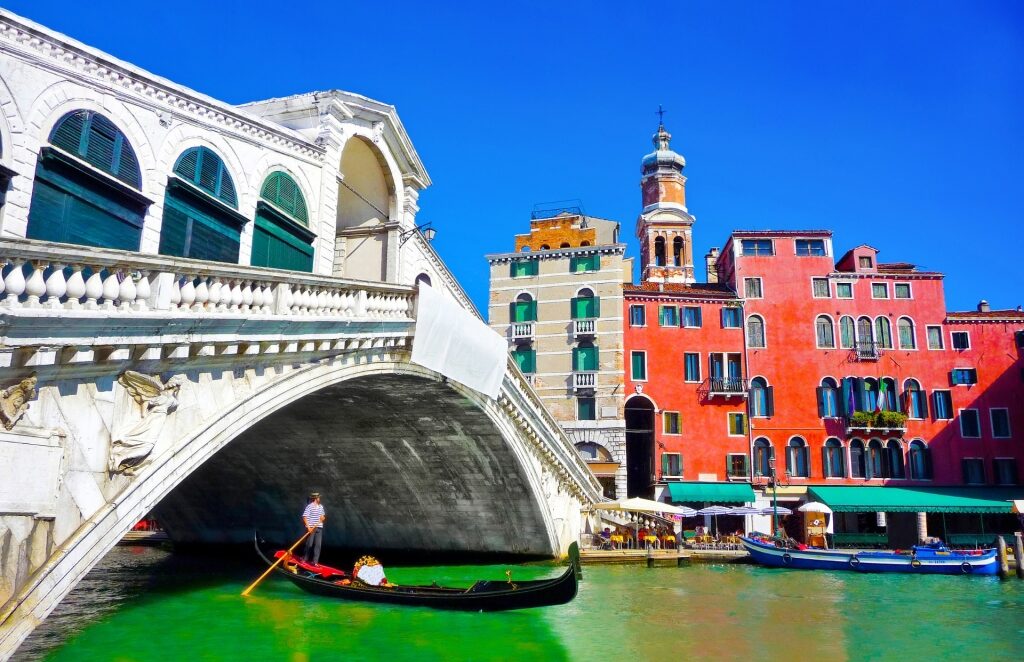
(662, 556)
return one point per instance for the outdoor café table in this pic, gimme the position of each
(616, 541)
(670, 540)
(652, 540)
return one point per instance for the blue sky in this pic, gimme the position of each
(897, 124)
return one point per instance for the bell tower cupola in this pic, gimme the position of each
(665, 227)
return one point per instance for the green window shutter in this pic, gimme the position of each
(202, 167)
(639, 365)
(585, 307)
(97, 141)
(584, 358)
(575, 308)
(526, 360)
(281, 190)
(665, 466)
(189, 231)
(524, 311)
(274, 246)
(69, 134)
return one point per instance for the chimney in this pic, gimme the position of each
(983, 306)
(710, 259)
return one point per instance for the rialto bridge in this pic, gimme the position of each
(207, 311)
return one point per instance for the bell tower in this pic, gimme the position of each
(665, 227)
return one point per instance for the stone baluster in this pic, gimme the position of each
(202, 294)
(94, 288)
(216, 296)
(75, 288)
(14, 283)
(111, 289)
(360, 309)
(188, 292)
(127, 291)
(257, 298)
(246, 292)
(268, 298)
(236, 296)
(56, 286)
(35, 286)
(143, 290)
(175, 296)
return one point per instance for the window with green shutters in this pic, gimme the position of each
(281, 190)
(671, 464)
(201, 167)
(281, 238)
(586, 409)
(585, 308)
(524, 268)
(524, 311)
(669, 316)
(526, 359)
(584, 358)
(638, 363)
(585, 263)
(71, 202)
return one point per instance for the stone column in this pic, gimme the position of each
(922, 527)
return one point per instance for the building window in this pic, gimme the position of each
(970, 424)
(87, 186)
(752, 288)
(902, 290)
(736, 465)
(692, 317)
(844, 290)
(761, 398)
(916, 402)
(677, 251)
(942, 402)
(920, 461)
(824, 333)
(819, 288)
(281, 237)
(1000, 422)
(847, 335)
(585, 305)
(586, 409)
(858, 465)
(877, 467)
(672, 465)
(934, 337)
(523, 309)
(731, 318)
(879, 290)
(963, 376)
(200, 210)
(864, 262)
(974, 470)
(1004, 470)
(585, 358)
(670, 422)
(894, 451)
(763, 454)
(810, 247)
(832, 459)
(526, 359)
(828, 398)
(637, 316)
(669, 316)
(755, 332)
(659, 251)
(524, 268)
(757, 247)
(905, 329)
(638, 361)
(961, 340)
(737, 424)
(691, 366)
(594, 452)
(797, 458)
(883, 333)
(579, 264)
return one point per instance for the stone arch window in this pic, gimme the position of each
(585, 305)
(833, 465)
(847, 333)
(828, 398)
(868, 394)
(763, 453)
(858, 463)
(677, 251)
(523, 309)
(864, 333)
(87, 186)
(905, 331)
(659, 251)
(761, 398)
(877, 466)
(824, 333)
(594, 452)
(883, 333)
(585, 357)
(915, 399)
(201, 218)
(584, 243)
(565, 244)
(524, 249)
(920, 461)
(894, 451)
(422, 278)
(797, 460)
(755, 332)
(545, 247)
(281, 237)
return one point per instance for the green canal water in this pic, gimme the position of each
(147, 604)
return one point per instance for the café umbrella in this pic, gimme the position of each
(715, 511)
(638, 505)
(815, 507)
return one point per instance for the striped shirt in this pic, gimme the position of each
(314, 514)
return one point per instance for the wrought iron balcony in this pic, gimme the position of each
(725, 386)
(866, 351)
(521, 332)
(584, 380)
(585, 328)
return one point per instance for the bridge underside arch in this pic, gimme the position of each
(402, 461)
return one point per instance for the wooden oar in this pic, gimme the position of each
(283, 557)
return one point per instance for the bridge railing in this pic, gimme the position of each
(46, 275)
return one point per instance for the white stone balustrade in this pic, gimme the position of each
(45, 275)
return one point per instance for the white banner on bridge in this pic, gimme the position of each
(454, 342)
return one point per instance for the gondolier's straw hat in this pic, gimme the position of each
(314, 495)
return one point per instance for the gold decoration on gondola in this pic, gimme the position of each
(508, 576)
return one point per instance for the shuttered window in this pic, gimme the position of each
(584, 358)
(281, 238)
(526, 360)
(94, 139)
(586, 308)
(200, 166)
(523, 268)
(200, 220)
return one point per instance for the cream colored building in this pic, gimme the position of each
(558, 301)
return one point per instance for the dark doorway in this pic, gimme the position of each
(639, 448)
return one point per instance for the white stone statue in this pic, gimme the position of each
(131, 446)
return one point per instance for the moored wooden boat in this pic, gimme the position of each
(921, 559)
(484, 595)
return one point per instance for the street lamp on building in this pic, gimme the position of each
(775, 497)
(426, 230)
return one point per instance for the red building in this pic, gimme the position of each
(848, 372)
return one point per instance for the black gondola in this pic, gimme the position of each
(481, 596)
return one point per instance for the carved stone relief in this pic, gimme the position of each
(133, 443)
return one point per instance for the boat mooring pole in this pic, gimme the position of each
(1018, 553)
(1004, 566)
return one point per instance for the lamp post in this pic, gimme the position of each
(426, 230)
(775, 497)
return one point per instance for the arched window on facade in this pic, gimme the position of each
(755, 332)
(565, 244)
(594, 452)
(201, 218)
(828, 398)
(659, 251)
(523, 309)
(858, 464)
(920, 461)
(585, 305)
(894, 450)
(824, 334)
(422, 278)
(763, 454)
(281, 237)
(887, 393)
(905, 327)
(88, 186)
(847, 334)
(584, 357)
(760, 397)
(878, 467)
(864, 334)
(677, 251)
(915, 398)
(868, 399)
(832, 458)
(797, 458)
(883, 333)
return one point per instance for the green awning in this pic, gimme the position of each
(710, 493)
(917, 499)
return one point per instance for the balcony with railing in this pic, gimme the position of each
(521, 332)
(584, 380)
(866, 350)
(729, 387)
(584, 328)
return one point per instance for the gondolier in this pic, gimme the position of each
(313, 517)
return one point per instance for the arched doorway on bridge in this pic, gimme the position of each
(639, 447)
